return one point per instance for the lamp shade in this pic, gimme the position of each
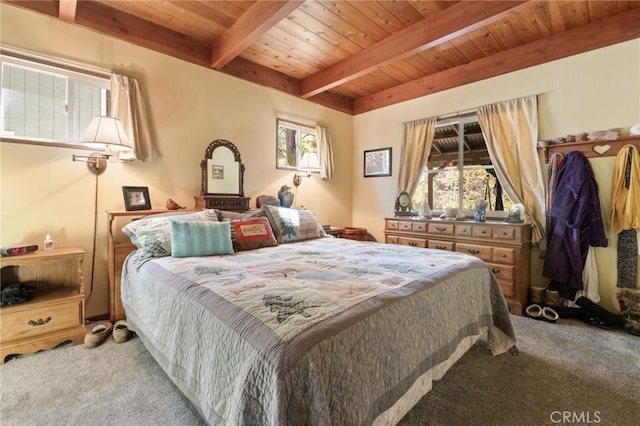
(309, 161)
(106, 133)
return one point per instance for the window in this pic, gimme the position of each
(43, 103)
(459, 169)
(297, 146)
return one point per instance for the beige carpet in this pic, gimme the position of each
(566, 373)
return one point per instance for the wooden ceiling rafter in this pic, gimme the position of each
(354, 56)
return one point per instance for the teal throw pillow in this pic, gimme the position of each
(200, 238)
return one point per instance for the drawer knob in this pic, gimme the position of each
(40, 322)
(495, 271)
(441, 228)
(440, 247)
(473, 251)
(412, 244)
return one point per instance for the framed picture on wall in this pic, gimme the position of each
(136, 198)
(377, 162)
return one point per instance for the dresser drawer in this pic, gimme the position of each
(482, 231)
(413, 242)
(35, 320)
(503, 255)
(483, 252)
(465, 230)
(441, 228)
(502, 272)
(507, 288)
(412, 226)
(392, 225)
(391, 239)
(441, 245)
(504, 233)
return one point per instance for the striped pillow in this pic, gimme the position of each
(200, 238)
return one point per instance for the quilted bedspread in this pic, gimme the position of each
(324, 331)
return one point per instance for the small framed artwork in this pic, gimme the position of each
(377, 162)
(217, 171)
(136, 198)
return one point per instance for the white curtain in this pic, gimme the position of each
(325, 153)
(511, 131)
(127, 104)
(417, 137)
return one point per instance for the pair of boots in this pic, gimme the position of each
(544, 304)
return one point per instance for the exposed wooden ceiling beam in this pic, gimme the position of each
(609, 31)
(452, 22)
(256, 21)
(67, 10)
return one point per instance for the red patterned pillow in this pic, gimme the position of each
(252, 233)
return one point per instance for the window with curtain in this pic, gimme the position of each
(459, 170)
(297, 146)
(48, 104)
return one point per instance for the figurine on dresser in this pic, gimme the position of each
(285, 196)
(480, 211)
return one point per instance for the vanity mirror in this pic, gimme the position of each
(222, 178)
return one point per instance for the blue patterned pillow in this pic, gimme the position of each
(200, 238)
(291, 225)
(151, 234)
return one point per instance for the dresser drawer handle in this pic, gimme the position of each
(441, 247)
(412, 244)
(503, 255)
(495, 271)
(473, 251)
(40, 322)
(441, 228)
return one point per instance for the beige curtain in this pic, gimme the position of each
(127, 104)
(511, 131)
(325, 153)
(417, 137)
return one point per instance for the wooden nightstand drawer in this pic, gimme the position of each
(441, 245)
(507, 287)
(502, 272)
(413, 242)
(483, 252)
(31, 320)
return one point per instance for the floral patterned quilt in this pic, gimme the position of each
(323, 331)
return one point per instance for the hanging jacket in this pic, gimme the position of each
(625, 198)
(577, 224)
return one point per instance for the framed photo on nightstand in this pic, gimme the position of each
(136, 198)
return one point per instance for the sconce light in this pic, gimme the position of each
(106, 134)
(308, 162)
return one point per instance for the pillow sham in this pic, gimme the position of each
(291, 225)
(189, 238)
(251, 234)
(231, 215)
(152, 236)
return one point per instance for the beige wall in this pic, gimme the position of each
(43, 191)
(593, 91)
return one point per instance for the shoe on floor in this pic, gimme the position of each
(121, 332)
(97, 334)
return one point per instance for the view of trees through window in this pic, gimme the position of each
(449, 182)
(294, 140)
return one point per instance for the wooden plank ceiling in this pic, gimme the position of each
(357, 56)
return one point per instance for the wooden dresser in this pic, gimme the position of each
(55, 313)
(505, 247)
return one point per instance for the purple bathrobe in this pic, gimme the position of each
(576, 224)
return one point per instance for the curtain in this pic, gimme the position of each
(417, 137)
(325, 153)
(127, 104)
(511, 131)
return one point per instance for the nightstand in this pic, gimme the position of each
(55, 313)
(334, 230)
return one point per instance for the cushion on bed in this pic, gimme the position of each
(152, 234)
(200, 238)
(253, 233)
(230, 215)
(291, 225)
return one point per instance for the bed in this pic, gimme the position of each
(296, 327)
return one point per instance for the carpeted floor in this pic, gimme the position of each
(566, 373)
